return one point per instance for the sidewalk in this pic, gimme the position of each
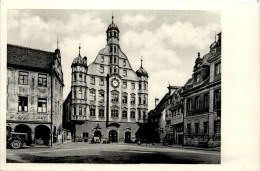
(160, 145)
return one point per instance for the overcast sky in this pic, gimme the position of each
(168, 40)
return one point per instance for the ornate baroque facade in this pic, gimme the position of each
(108, 99)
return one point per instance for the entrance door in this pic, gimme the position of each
(127, 137)
(113, 136)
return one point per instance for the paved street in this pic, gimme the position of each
(111, 153)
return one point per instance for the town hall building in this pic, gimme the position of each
(108, 99)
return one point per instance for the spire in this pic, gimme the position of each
(57, 43)
(79, 49)
(112, 18)
(141, 62)
(215, 36)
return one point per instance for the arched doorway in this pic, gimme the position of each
(127, 137)
(42, 132)
(25, 129)
(97, 134)
(113, 136)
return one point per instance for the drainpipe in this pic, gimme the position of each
(51, 98)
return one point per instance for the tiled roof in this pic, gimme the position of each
(27, 57)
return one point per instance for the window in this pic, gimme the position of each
(132, 100)
(196, 128)
(124, 73)
(101, 96)
(80, 110)
(144, 86)
(140, 85)
(101, 69)
(114, 69)
(217, 97)
(110, 59)
(205, 127)
(197, 77)
(206, 100)
(140, 100)
(144, 115)
(111, 49)
(217, 68)
(102, 59)
(85, 94)
(74, 77)
(85, 78)
(133, 85)
(74, 110)
(42, 80)
(92, 112)
(23, 78)
(124, 99)
(114, 97)
(80, 93)
(139, 114)
(42, 105)
(80, 77)
(114, 113)
(114, 59)
(101, 81)
(197, 102)
(101, 113)
(189, 104)
(216, 127)
(75, 94)
(85, 111)
(132, 114)
(124, 62)
(124, 85)
(124, 114)
(189, 128)
(92, 96)
(92, 80)
(115, 49)
(85, 135)
(144, 100)
(23, 104)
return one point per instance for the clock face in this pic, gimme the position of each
(115, 83)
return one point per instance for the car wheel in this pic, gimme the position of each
(16, 144)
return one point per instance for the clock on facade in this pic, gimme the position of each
(115, 82)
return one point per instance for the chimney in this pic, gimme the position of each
(172, 89)
(156, 101)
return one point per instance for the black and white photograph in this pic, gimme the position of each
(113, 86)
(136, 86)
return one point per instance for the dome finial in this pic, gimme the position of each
(112, 18)
(141, 62)
(79, 49)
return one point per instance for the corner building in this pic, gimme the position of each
(108, 99)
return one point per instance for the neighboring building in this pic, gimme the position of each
(158, 116)
(108, 99)
(202, 100)
(34, 93)
(174, 118)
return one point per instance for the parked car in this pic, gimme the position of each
(16, 140)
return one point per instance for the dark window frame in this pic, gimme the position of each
(23, 78)
(22, 102)
(42, 80)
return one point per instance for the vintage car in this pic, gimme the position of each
(16, 140)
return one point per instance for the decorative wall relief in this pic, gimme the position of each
(42, 90)
(23, 90)
(22, 117)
